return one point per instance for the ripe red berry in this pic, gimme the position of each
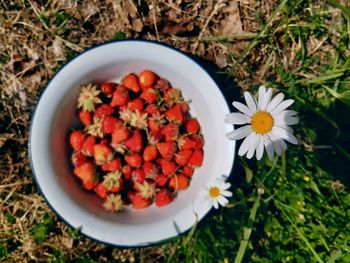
(108, 88)
(134, 160)
(150, 153)
(78, 159)
(196, 158)
(135, 142)
(88, 145)
(76, 139)
(131, 82)
(192, 126)
(120, 97)
(85, 117)
(163, 197)
(178, 182)
(147, 78)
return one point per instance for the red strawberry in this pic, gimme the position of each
(139, 202)
(150, 169)
(150, 153)
(108, 88)
(174, 114)
(154, 126)
(109, 124)
(102, 153)
(86, 172)
(166, 149)
(152, 109)
(135, 143)
(188, 171)
(131, 195)
(182, 157)
(104, 141)
(171, 132)
(147, 78)
(85, 117)
(196, 158)
(168, 167)
(131, 82)
(104, 110)
(161, 180)
(119, 135)
(138, 176)
(78, 159)
(127, 171)
(178, 182)
(134, 160)
(163, 197)
(149, 95)
(186, 143)
(192, 126)
(136, 105)
(111, 166)
(120, 97)
(184, 107)
(88, 145)
(101, 191)
(76, 140)
(198, 139)
(89, 185)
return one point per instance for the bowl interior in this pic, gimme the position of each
(56, 115)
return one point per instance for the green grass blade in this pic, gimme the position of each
(344, 9)
(337, 95)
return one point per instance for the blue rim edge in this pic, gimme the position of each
(30, 135)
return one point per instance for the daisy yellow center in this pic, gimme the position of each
(262, 122)
(214, 192)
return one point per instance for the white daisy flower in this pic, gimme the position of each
(216, 194)
(268, 124)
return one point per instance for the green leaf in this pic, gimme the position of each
(3, 251)
(119, 36)
(40, 233)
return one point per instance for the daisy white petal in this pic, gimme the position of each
(274, 102)
(225, 186)
(260, 148)
(283, 145)
(252, 147)
(261, 95)
(266, 100)
(282, 106)
(250, 100)
(284, 134)
(222, 200)
(268, 146)
(226, 193)
(286, 121)
(242, 108)
(246, 144)
(275, 143)
(239, 133)
(215, 204)
(237, 118)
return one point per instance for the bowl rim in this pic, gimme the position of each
(59, 216)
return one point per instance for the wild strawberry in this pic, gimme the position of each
(95, 129)
(131, 82)
(166, 149)
(192, 126)
(108, 88)
(88, 145)
(162, 85)
(138, 176)
(78, 159)
(109, 124)
(104, 110)
(76, 140)
(139, 202)
(152, 109)
(161, 180)
(135, 142)
(104, 141)
(182, 157)
(196, 158)
(185, 108)
(85, 117)
(119, 135)
(155, 123)
(185, 143)
(86, 172)
(89, 185)
(150, 169)
(134, 160)
(101, 190)
(120, 97)
(163, 197)
(113, 181)
(198, 139)
(131, 195)
(136, 105)
(149, 95)
(114, 203)
(172, 96)
(147, 78)
(102, 153)
(111, 166)
(168, 167)
(150, 153)
(171, 132)
(88, 97)
(174, 114)
(127, 171)
(178, 182)
(146, 189)
(188, 171)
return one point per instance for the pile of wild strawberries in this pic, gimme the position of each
(138, 143)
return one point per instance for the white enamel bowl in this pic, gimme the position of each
(55, 116)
